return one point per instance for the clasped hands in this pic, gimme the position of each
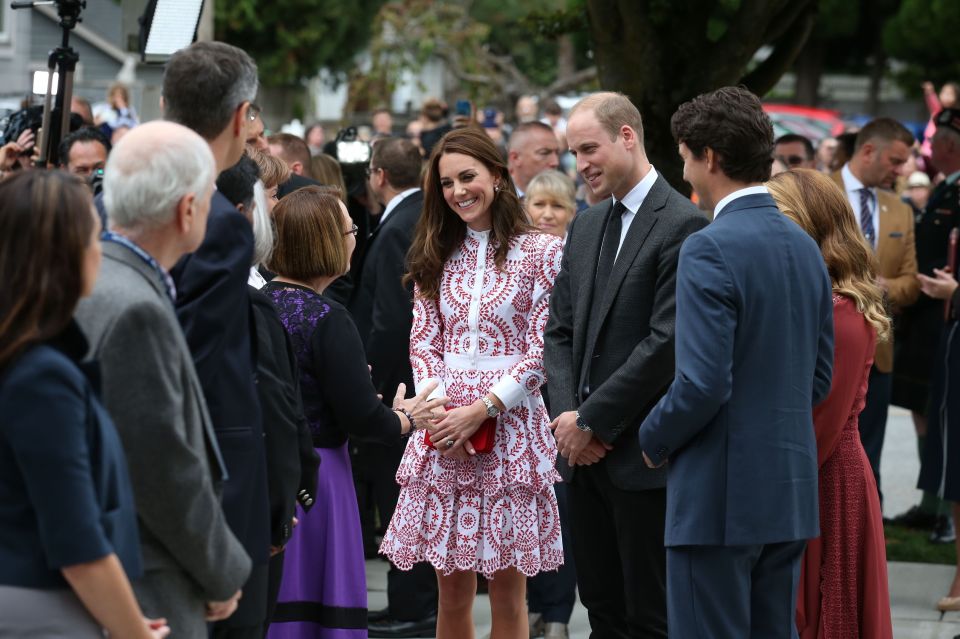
(450, 431)
(578, 447)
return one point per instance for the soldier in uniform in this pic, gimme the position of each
(918, 328)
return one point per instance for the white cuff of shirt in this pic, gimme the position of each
(510, 392)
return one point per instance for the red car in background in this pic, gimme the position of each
(814, 124)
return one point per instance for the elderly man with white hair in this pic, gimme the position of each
(157, 188)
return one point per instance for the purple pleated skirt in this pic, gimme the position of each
(323, 594)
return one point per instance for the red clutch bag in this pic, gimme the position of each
(482, 440)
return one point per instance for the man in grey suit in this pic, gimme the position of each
(157, 190)
(609, 358)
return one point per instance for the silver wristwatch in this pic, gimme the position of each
(582, 425)
(492, 410)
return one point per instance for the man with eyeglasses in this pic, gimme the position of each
(795, 151)
(84, 152)
(210, 87)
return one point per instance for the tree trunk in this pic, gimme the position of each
(809, 70)
(660, 59)
(566, 64)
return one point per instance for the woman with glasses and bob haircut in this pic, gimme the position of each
(477, 496)
(68, 529)
(843, 588)
(324, 592)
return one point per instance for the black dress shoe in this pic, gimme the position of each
(378, 615)
(393, 628)
(914, 518)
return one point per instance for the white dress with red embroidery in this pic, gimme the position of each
(496, 510)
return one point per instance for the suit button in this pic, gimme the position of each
(661, 451)
(309, 501)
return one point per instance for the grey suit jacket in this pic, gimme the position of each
(630, 349)
(150, 388)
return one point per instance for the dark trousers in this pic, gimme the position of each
(618, 545)
(250, 619)
(274, 577)
(734, 592)
(873, 419)
(412, 594)
(553, 594)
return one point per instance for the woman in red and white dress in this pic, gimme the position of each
(482, 279)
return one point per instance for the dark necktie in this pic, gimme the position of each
(866, 216)
(608, 255)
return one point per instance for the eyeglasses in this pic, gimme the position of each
(354, 229)
(370, 170)
(792, 160)
(253, 112)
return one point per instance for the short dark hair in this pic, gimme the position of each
(46, 224)
(236, 183)
(84, 134)
(293, 149)
(884, 129)
(205, 83)
(730, 121)
(400, 160)
(791, 138)
(524, 128)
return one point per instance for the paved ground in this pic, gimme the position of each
(914, 588)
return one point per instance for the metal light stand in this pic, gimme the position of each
(62, 61)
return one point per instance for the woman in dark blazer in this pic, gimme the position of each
(68, 532)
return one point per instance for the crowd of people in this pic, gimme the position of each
(228, 361)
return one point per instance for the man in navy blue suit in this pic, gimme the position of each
(754, 354)
(209, 87)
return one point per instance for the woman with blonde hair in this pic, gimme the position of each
(551, 202)
(843, 586)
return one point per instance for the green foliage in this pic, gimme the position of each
(906, 544)
(291, 40)
(923, 34)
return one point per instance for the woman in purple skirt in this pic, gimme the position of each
(323, 594)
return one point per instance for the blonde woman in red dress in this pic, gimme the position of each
(482, 279)
(843, 585)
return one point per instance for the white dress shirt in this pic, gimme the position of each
(633, 201)
(395, 202)
(853, 186)
(750, 190)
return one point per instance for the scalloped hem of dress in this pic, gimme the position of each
(550, 560)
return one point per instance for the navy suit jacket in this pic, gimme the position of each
(214, 309)
(754, 354)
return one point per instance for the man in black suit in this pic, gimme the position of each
(209, 87)
(609, 357)
(383, 310)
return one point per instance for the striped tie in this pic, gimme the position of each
(866, 216)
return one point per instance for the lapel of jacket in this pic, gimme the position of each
(884, 225)
(590, 227)
(125, 256)
(640, 227)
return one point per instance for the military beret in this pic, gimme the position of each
(949, 118)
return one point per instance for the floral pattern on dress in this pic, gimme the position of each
(485, 333)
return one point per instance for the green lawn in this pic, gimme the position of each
(906, 544)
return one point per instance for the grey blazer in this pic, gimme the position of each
(150, 388)
(632, 344)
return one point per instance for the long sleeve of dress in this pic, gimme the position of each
(343, 376)
(528, 374)
(426, 343)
